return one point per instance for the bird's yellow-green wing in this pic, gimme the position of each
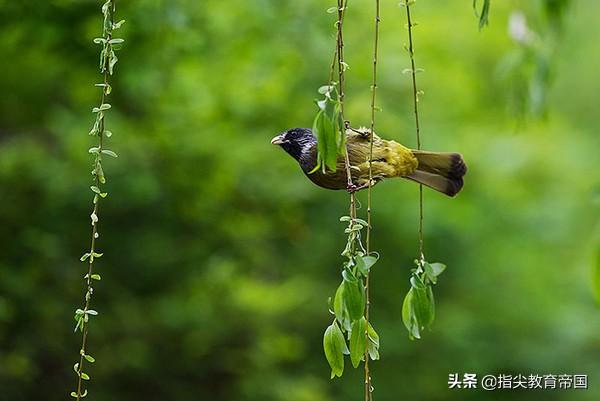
(390, 159)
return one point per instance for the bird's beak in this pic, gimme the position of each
(278, 140)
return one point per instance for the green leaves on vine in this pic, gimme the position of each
(108, 60)
(328, 127)
(350, 333)
(418, 309)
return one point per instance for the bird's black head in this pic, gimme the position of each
(297, 142)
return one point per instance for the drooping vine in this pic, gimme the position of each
(368, 385)
(350, 332)
(418, 309)
(108, 60)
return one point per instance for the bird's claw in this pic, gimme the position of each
(352, 188)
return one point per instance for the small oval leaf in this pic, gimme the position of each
(333, 345)
(358, 341)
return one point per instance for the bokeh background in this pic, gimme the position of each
(220, 255)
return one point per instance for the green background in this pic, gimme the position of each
(220, 255)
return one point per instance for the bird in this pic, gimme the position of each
(441, 171)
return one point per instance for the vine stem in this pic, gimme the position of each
(89, 290)
(368, 385)
(342, 5)
(417, 125)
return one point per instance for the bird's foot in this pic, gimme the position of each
(352, 188)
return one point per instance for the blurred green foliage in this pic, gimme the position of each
(220, 255)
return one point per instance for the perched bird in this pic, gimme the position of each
(441, 171)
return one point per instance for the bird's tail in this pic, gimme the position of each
(441, 171)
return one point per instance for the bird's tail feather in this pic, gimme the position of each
(441, 171)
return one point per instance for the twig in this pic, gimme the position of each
(342, 5)
(368, 385)
(417, 125)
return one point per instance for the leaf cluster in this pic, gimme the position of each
(328, 127)
(350, 333)
(418, 309)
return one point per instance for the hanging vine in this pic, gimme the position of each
(350, 332)
(108, 60)
(368, 384)
(418, 309)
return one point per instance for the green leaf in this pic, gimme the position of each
(117, 25)
(328, 127)
(116, 41)
(364, 263)
(85, 376)
(95, 128)
(331, 138)
(89, 358)
(80, 323)
(112, 60)
(99, 171)
(327, 142)
(85, 256)
(433, 270)
(74, 394)
(361, 266)
(373, 351)
(108, 133)
(424, 306)
(96, 277)
(358, 340)
(416, 282)
(373, 346)
(334, 346)
(109, 153)
(408, 316)
(483, 16)
(326, 88)
(361, 222)
(370, 261)
(353, 295)
(91, 312)
(338, 303)
(103, 107)
(418, 309)
(95, 189)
